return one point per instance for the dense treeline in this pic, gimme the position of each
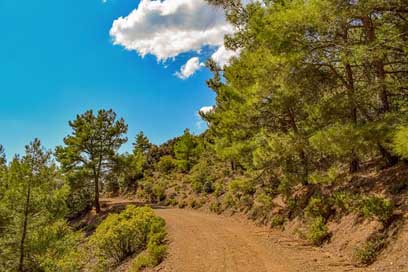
(320, 88)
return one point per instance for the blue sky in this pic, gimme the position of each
(57, 59)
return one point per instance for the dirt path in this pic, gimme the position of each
(201, 242)
(204, 242)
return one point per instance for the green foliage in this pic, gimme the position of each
(241, 187)
(277, 221)
(61, 248)
(159, 191)
(186, 150)
(219, 188)
(33, 209)
(154, 255)
(194, 204)
(400, 143)
(182, 204)
(201, 179)
(326, 177)
(216, 207)
(130, 232)
(344, 201)
(92, 147)
(368, 252)
(262, 206)
(318, 206)
(141, 144)
(228, 201)
(166, 164)
(152, 191)
(376, 207)
(318, 231)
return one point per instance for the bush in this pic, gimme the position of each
(194, 204)
(277, 221)
(197, 187)
(219, 189)
(201, 180)
(215, 207)
(400, 142)
(242, 186)
(60, 248)
(318, 206)
(262, 206)
(318, 231)
(122, 235)
(182, 204)
(343, 201)
(154, 255)
(367, 253)
(376, 207)
(172, 202)
(159, 192)
(242, 190)
(166, 164)
(228, 201)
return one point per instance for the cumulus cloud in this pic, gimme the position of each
(223, 55)
(206, 109)
(188, 69)
(168, 28)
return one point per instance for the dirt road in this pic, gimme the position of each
(201, 242)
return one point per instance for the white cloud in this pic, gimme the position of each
(188, 69)
(206, 109)
(223, 55)
(168, 28)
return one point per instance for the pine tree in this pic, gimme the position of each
(34, 199)
(92, 147)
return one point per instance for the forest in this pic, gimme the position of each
(310, 125)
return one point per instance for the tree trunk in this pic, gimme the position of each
(383, 96)
(355, 162)
(24, 231)
(97, 205)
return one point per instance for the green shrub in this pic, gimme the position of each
(367, 253)
(197, 187)
(208, 187)
(219, 188)
(318, 231)
(182, 204)
(228, 201)
(326, 177)
(318, 206)
(400, 142)
(122, 235)
(343, 201)
(61, 248)
(172, 202)
(159, 192)
(201, 180)
(262, 206)
(277, 221)
(166, 164)
(194, 204)
(215, 207)
(241, 187)
(154, 255)
(242, 191)
(376, 207)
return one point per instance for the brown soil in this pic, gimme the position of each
(209, 243)
(206, 242)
